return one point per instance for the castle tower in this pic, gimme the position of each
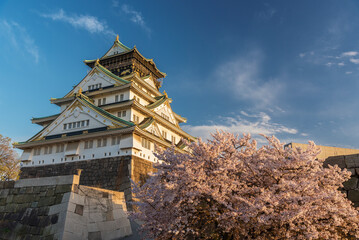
(108, 124)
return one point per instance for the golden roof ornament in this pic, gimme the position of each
(97, 61)
(117, 38)
(79, 92)
(164, 92)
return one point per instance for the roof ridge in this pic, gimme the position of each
(110, 74)
(160, 101)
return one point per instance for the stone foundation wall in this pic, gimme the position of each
(351, 163)
(109, 173)
(140, 169)
(26, 208)
(59, 208)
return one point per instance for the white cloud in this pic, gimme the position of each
(18, 36)
(87, 22)
(302, 55)
(349, 54)
(341, 64)
(254, 124)
(354, 60)
(242, 78)
(136, 17)
(348, 72)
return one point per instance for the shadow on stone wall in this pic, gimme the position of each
(351, 163)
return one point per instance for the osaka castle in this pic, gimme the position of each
(108, 125)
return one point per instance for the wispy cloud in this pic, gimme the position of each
(136, 17)
(349, 54)
(87, 22)
(354, 60)
(242, 78)
(244, 122)
(14, 33)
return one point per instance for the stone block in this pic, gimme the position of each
(108, 225)
(4, 193)
(71, 207)
(353, 195)
(92, 227)
(351, 184)
(50, 192)
(46, 201)
(95, 217)
(77, 198)
(94, 235)
(63, 188)
(55, 209)
(352, 161)
(59, 197)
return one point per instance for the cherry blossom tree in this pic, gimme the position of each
(9, 163)
(227, 188)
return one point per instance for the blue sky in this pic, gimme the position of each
(280, 68)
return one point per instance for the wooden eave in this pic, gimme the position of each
(162, 121)
(180, 118)
(44, 120)
(41, 142)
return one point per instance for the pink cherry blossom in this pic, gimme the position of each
(227, 188)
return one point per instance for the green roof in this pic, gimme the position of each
(160, 100)
(110, 74)
(55, 115)
(146, 122)
(121, 45)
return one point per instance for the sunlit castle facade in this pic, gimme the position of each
(117, 109)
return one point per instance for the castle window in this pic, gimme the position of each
(78, 124)
(37, 151)
(136, 119)
(164, 134)
(116, 140)
(123, 113)
(99, 102)
(121, 97)
(103, 101)
(173, 138)
(48, 150)
(59, 148)
(146, 143)
(102, 142)
(88, 144)
(116, 98)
